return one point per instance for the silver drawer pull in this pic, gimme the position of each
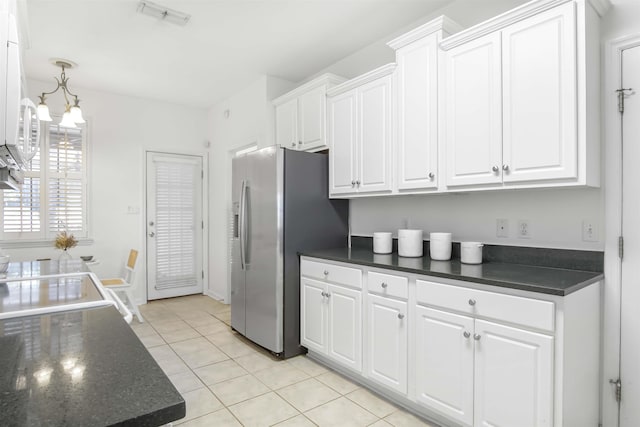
(328, 295)
(472, 302)
(476, 337)
(400, 316)
(466, 334)
(384, 285)
(326, 272)
(323, 294)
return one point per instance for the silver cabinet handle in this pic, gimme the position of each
(358, 183)
(472, 302)
(299, 142)
(505, 168)
(431, 175)
(353, 183)
(152, 234)
(466, 334)
(293, 144)
(384, 285)
(495, 169)
(328, 295)
(400, 316)
(476, 337)
(323, 294)
(326, 272)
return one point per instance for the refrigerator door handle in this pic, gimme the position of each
(241, 228)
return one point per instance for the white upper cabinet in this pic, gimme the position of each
(539, 97)
(301, 115)
(287, 124)
(360, 135)
(473, 130)
(374, 131)
(342, 137)
(416, 104)
(516, 90)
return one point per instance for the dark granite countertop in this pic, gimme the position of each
(553, 281)
(81, 368)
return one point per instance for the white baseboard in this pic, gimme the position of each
(215, 295)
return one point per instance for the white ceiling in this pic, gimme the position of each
(226, 45)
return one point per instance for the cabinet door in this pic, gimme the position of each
(473, 120)
(287, 124)
(345, 326)
(540, 109)
(513, 377)
(417, 108)
(313, 315)
(444, 363)
(374, 141)
(311, 117)
(342, 143)
(387, 342)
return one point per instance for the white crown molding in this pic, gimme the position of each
(601, 6)
(441, 23)
(327, 79)
(503, 20)
(362, 79)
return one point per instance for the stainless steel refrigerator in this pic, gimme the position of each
(280, 206)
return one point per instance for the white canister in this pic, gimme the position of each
(382, 243)
(410, 243)
(471, 252)
(440, 246)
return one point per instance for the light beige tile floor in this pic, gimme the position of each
(228, 381)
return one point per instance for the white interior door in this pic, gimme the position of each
(174, 225)
(630, 316)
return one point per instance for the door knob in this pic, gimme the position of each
(151, 223)
(152, 234)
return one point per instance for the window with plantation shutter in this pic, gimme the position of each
(53, 195)
(176, 219)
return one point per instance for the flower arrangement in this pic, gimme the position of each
(65, 241)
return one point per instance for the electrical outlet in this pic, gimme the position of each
(502, 227)
(524, 229)
(589, 231)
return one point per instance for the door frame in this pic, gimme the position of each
(612, 154)
(205, 215)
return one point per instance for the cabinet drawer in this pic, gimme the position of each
(332, 273)
(388, 285)
(524, 311)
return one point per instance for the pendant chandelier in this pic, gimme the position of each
(72, 113)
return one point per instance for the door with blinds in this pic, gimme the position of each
(174, 225)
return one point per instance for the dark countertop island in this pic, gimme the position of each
(546, 280)
(81, 368)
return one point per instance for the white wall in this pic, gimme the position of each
(249, 121)
(121, 128)
(555, 216)
(378, 53)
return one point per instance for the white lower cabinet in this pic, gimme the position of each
(458, 353)
(387, 342)
(513, 376)
(444, 363)
(331, 321)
